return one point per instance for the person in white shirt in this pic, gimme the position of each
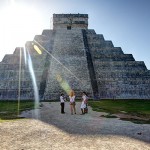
(84, 103)
(72, 102)
(62, 103)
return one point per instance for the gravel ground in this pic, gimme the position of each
(48, 129)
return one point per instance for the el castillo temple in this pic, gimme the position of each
(71, 56)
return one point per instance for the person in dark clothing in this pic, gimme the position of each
(62, 103)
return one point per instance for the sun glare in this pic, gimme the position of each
(19, 24)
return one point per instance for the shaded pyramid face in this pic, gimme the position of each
(71, 56)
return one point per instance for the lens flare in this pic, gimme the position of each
(59, 78)
(19, 83)
(35, 87)
(37, 49)
(64, 85)
(25, 55)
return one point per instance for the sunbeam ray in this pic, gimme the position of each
(19, 82)
(36, 91)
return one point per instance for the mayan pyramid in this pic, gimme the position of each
(71, 56)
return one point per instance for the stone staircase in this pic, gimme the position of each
(118, 74)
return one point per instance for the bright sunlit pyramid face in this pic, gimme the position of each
(20, 23)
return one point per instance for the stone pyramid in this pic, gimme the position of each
(71, 56)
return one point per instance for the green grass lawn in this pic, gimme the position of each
(139, 108)
(9, 109)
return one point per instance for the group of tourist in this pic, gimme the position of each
(84, 103)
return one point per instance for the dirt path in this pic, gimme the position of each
(53, 130)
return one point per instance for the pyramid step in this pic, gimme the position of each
(114, 57)
(109, 51)
(101, 45)
(6, 66)
(95, 38)
(41, 38)
(48, 33)
(120, 65)
(122, 74)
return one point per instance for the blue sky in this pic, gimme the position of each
(125, 22)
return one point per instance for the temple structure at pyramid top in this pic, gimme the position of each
(72, 57)
(70, 21)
